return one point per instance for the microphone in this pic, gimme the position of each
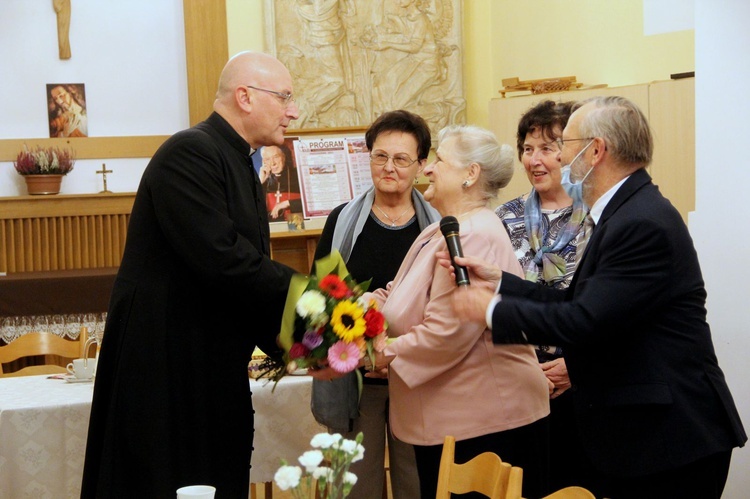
(449, 228)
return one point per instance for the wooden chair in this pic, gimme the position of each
(571, 493)
(39, 343)
(515, 482)
(486, 474)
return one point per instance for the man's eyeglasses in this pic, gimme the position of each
(399, 160)
(561, 142)
(286, 98)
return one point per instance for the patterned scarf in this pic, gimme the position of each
(553, 266)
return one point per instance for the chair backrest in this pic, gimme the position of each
(39, 343)
(486, 474)
(571, 493)
(515, 482)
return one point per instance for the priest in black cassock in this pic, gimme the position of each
(195, 293)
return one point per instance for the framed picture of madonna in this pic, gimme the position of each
(351, 60)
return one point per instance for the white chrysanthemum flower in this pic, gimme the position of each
(348, 446)
(350, 478)
(287, 477)
(322, 441)
(360, 453)
(311, 303)
(310, 460)
(323, 472)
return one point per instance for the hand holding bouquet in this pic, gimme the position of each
(326, 321)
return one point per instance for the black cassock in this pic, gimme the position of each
(196, 291)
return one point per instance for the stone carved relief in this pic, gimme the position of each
(351, 60)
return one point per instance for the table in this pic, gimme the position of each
(284, 424)
(43, 428)
(44, 424)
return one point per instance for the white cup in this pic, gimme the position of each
(82, 368)
(196, 492)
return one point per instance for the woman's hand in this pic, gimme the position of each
(557, 373)
(325, 372)
(380, 369)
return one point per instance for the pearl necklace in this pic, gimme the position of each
(392, 220)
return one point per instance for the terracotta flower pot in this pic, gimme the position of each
(43, 184)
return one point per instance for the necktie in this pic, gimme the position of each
(588, 229)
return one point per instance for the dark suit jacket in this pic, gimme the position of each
(650, 395)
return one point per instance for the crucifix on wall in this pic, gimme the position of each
(62, 10)
(104, 173)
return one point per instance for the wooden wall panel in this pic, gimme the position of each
(65, 232)
(206, 50)
(670, 108)
(672, 118)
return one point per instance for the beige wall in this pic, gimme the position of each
(596, 41)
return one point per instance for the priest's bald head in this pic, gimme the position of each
(255, 98)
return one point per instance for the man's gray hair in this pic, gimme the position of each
(622, 125)
(478, 145)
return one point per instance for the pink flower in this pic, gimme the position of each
(343, 357)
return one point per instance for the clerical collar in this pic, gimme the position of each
(252, 151)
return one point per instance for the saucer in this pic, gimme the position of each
(73, 379)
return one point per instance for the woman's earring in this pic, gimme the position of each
(465, 185)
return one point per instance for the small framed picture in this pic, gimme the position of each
(66, 110)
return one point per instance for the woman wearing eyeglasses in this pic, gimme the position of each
(373, 233)
(445, 375)
(545, 227)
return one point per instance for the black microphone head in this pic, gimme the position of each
(448, 224)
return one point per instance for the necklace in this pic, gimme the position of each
(392, 220)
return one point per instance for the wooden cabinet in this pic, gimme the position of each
(88, 231)
(670, 108)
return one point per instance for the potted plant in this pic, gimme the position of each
(44, 167)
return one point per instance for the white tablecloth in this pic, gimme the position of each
(43, 428)
(44, 424)
(284, 424)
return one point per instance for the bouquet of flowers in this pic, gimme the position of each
(326, 466)
(327, 321)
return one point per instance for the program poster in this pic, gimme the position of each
(331, 172)
(359, 166)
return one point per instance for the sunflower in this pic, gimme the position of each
(348, 320)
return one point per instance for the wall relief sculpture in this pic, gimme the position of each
(351, 60)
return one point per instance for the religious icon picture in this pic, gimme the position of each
(280, 183)
(66, 110)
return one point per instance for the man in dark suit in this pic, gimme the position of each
(653, 410)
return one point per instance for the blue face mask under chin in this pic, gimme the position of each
(574, 189)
